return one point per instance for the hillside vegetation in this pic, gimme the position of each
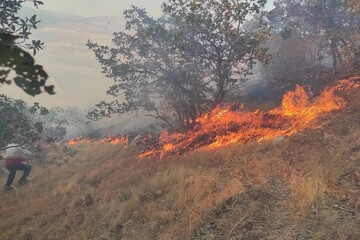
(306, 186)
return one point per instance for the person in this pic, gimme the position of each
(15, 156)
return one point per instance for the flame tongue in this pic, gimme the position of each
(115, 140)
(79, 140)
(224, 126)
(109, 139)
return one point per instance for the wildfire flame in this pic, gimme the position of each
(115, 140)
(109, 139)
(79, 140)
(223, 126)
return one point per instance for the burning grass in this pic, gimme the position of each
(303, 187)
(224, 125)
(110, 139)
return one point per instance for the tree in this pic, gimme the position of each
(14, 31)
(70, 117)
(150, 73)
(292, 62)
(28, 126)
(330, 22)
(16, 123)
(180, 65)
(30, 77)
(12, 24)
(218, 39)
(54, 126)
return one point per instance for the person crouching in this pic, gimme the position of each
(15, 156)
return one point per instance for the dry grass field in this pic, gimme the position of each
(306, 186)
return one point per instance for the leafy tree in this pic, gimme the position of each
(58, 121)
(29, 127)
(70, 117)
(150, 73)
(12, 24)
(291, 63)
(214, 35)
(16, 123)
(29, 76)
(182, 64)
(331, 23)
(54, 126)
(14, 31)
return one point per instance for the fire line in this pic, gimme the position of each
(222, 126)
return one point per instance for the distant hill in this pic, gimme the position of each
(71, 65)
(98, 24)
(48, 17)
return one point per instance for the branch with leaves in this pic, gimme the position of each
(11, 23)
(30, 77)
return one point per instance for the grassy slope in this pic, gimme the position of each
(305, 187)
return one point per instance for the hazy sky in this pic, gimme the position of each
(72, 67)
(104, 7)
(101, 7)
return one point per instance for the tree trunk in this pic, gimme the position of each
(158, 116)
(336, 56)
(220, 95)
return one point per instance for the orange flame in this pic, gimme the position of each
(79, 140)
(222, 126)
(115, 140)
(110, 139)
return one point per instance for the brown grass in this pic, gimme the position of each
(305, 190)
(306, 187)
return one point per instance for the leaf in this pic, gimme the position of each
(49, 89)
(27, 86)
(33, 18)
(30, 77)
(28, 59)
(3, 76)
(6, 38)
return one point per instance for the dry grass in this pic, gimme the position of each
(307, 187)
(305, 190)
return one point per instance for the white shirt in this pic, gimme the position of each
(14, 150)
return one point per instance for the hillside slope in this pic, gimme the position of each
(306, 186)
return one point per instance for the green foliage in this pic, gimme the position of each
(15, 31)
(71, 117)
(35, 127)
(214, 34)
(182, 64)
(55, 128)
(12, 24)
(150, 73)
(30, 77)
(313, 43)
(16, 121)
(330, 24)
